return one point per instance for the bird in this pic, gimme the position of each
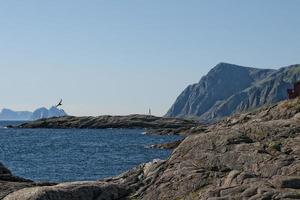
(59, 104)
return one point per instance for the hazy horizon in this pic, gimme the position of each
(124, 57)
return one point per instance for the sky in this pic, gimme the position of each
(125, 56)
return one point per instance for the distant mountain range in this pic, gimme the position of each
(7, 114)
(229, 88)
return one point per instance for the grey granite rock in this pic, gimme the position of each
(228, 89)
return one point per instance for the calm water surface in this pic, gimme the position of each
(76, 154)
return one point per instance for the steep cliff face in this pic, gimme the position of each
(228, 89)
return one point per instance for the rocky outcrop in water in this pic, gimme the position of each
(253, 155)
(155, 125)
(229, 89)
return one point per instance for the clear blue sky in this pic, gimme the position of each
(124, 56)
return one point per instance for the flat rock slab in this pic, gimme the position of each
(71, 191)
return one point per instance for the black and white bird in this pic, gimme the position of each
(59, 104)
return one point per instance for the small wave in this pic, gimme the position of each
(151, 146)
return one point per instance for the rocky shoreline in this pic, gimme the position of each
(168, 145)
(152, 124)
(253, 155)
(10, 183)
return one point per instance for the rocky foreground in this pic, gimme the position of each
(157, 125)
(255, 155)
(10, 183)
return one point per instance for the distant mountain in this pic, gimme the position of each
(228, 89)
(45, 113)
(7, 114)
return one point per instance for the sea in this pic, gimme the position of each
(60, 155)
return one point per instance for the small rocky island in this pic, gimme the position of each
(152, 124)
(254, 155)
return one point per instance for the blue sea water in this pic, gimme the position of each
(60, 155)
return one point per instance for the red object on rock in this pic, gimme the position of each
(293, 93)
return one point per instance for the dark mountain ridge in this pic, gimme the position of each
(229, 88)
